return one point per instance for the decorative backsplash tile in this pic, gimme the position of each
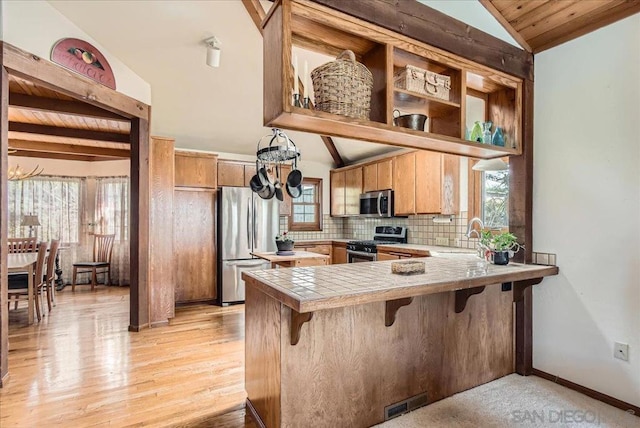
(422, 229)
(543, 258)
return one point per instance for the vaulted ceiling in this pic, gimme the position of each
(221, 109)
(538, 25)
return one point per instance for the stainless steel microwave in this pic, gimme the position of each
(377, 204)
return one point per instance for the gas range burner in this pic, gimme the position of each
(384, 235)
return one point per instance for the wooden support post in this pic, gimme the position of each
(462, 296)
(392, 307)
(522, 297)
(4, 219)
(297, 320)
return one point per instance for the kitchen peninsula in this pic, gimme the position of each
(336, 345)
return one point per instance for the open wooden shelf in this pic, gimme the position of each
(433, 107)
(314, 27)
(320, 122)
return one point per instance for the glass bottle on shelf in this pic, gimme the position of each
(476, 132)
(486, 132)
(498, 138)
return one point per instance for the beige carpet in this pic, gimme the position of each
(516, 401)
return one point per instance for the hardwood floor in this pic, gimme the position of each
(80, 366)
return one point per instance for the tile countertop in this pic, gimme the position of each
(322, 241)
(432, 250)
(323, 287)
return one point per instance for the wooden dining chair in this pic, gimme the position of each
(22, 245)
(21, 290)
(50, 274)
(102, 249)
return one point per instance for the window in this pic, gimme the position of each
(495, 199)
(489, 196)
(56, 202)
(306, 210)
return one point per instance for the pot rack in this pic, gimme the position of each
(281, 149)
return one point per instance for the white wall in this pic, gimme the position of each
(35, 26)
(72, 168)
(586, 208)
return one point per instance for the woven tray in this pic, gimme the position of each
(407, 267)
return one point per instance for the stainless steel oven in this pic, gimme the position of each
(360, 256)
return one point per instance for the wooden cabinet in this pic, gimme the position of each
(231, 173)
(339, 253)
(353, 189)
(377, 176)
(400, 254)
(194, 245)
(346, 187)
(337, 190)
(194, 169)
(385, 54)
(385, 174)
(370, 177)
(426, 183)
(404, 184)
(249, 172)
(324, 249)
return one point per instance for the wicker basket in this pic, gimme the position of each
(424, 82)
(343, 87)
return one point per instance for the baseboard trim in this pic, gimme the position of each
(612, 401)
(162, 323)
(138, 328)
(254, 415)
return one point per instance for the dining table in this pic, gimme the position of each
(21, 263)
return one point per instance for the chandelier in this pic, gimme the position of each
(17, 173)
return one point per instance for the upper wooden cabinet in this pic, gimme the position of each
(426, 183)
(231, 173)
(314, 27)
(346, 187)
(194, 169)
(377, 176)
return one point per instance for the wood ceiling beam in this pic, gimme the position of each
(84, 134)
(488, 4)
(73, 108)
(257, 14)
(33, 68)
(422, 23)
(77, 149)
(62, 156)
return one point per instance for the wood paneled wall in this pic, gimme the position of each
(161, 255)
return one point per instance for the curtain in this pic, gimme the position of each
(59, 204)
(112, 217)
(72, 209)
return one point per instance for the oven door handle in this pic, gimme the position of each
(362, 254)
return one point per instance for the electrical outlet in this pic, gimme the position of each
(442, 241)
(621, 351)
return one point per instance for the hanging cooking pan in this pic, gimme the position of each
(256, 183)
(277, 185)
(294, 192)
(294, 179)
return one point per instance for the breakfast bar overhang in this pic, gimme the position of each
(352, 343)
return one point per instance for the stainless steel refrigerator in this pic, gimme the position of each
(246, 223)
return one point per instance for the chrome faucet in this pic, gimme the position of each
(471, 230)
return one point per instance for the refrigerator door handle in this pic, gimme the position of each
(248, 223)
(255, 222)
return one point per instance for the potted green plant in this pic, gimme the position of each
(499, 247)
(284, 242)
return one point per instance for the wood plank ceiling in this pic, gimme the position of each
(538, 25)
(46, 124)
